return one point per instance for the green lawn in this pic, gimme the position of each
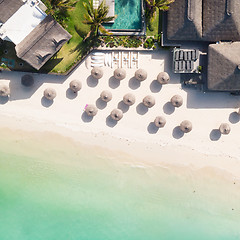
(72, 51)
(155, 26)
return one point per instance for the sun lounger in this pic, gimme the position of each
(176, 63)
(176, 55)
(134, 59)
(181, 55)
(125, 59)
(116, 59)
(185, 55)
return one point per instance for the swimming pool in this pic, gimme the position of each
(129, 15)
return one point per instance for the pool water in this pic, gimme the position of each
(128, 15)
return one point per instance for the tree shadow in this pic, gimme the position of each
(177, 133)
(46, 102)
(168, 108)
(110, 122)
(100, 103)
(155, 86)
(141, 109)
(4, 100)
(86, 118)
(124, 107)
(134, 83)
(113, 82)
(91, 81)
(234, 117)
(152, 129)
(70, 94)
(215, 135)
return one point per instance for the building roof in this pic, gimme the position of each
(221, 20)
(224, 67)
(42, 43)
(206, 20)
(8, 8)
(185, 20)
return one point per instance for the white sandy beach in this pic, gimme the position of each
(135, 133)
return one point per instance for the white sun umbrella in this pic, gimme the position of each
(186, 126)
(225, 128)
(50, 93)
(4, 90)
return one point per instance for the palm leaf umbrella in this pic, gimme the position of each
(106, 96)
(97, 72)
(225, 128)
(160, 121)
(141, 74)
(4, 90)
(75, 85)
(91, 110)
(163, 78)
(149, 101)
(186, 126)
(49, 93)
(116, 114)
(119, 73)
(129, 99)
(177, 101)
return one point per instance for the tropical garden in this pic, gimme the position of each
(83, 22)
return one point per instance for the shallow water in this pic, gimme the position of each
(47, 192)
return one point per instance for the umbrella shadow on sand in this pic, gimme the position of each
(168, 108)
(46, 102)
(110, 122)
(141, 109)
(234, 117)
(70, 94)
(100, 103)
(134, 83)
(215, 135)
(91, 81)
(86, 118)
(155, 86)
(113, 82)
(177, 133)
(124, 107)
(152, 129)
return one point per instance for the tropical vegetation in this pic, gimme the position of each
(95, 17)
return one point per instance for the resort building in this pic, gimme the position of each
(37, 37)
(212, 22)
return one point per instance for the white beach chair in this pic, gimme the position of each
(125, 59)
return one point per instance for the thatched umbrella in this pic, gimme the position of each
(75, 85)
(160, 121)
(49, 93)
(149, 101)
(141, 74)
(225, 128)
(177, 101)
(91, 110)
(186, 126)
(129, 99)
(163, 78)
(97, 72)
(119, 73)
(116, 114)
(27, 80)
(4, 90)
(106, 96)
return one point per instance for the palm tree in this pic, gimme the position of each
(162, 5)
(153, 5)
(96, 17)
(60, 6)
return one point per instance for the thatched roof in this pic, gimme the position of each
(42, 43)
(8, 8)
(221, 20)
(185, 20)
(224, 67)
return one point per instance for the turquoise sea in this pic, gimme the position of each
(53, 189)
